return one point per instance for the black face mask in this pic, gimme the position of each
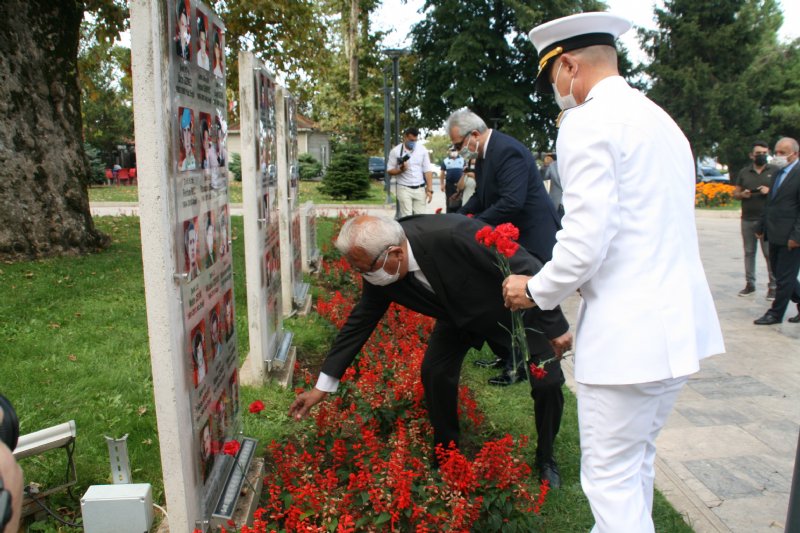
(760, 160)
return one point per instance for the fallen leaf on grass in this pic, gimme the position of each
(142, 410)
(72, 357)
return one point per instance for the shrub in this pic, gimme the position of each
(97, 168)
(235, 166)
(348, 174)
(713, 194)
(309, 166)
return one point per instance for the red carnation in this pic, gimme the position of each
(231, 448)
(257, 406)
(438, 210)
(538, 373)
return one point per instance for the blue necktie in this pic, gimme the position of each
(778, 183)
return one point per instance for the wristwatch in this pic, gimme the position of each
(528, 293)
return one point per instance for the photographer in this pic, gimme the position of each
(10, 472)
(409, 164)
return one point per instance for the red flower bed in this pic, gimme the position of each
(367, 466)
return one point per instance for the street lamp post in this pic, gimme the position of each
(387, 126)
(394, 54)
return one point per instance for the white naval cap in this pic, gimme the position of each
(570, 33)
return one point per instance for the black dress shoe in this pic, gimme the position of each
(794, 319)
(548, 471)
(767, 320)
(505, 379)
(485, 363)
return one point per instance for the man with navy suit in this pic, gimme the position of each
(509, 189)
(781, 228)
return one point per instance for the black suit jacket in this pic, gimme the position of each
(467, 287)
(782, 213)
(510, 189)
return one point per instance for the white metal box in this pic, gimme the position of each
(118, 508)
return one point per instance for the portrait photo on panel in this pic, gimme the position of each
(233, 394)
(224, 239)
(202, 41)
(214, 322)
(209, 239)
(218, 45)
(207, 448)
(205, 140)
(191, 265)
(227, 311)
(186, 159)
(183, 34)
(221, 131)
(197, 352)
(220, 417)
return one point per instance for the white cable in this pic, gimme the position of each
(162, 510)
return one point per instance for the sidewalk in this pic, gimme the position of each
(726, 455)
(100, 209)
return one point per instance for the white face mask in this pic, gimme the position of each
(780, 161)
(563, 102)
(468, 154)
(380, 277)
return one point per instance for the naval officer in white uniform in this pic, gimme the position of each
(629, 245)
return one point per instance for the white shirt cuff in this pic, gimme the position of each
(326, 383)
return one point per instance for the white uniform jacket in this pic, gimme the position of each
(629, 242)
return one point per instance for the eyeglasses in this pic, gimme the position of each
(457, 146)
(374, 261)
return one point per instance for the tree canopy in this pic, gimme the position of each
(477, 54)
(719, 70)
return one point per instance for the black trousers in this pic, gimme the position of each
(450, 188)
(785, 265)
(441, 371)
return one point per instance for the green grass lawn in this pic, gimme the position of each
(76, 347)
(308, 192)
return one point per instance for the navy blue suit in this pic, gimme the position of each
(510, 189)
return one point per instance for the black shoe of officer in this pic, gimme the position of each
(548, 471)
(505, 379)
(486, 363)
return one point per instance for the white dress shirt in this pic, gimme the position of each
(629, 242)
(418, 164)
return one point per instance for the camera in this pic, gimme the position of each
(401, 160)
(9, 424)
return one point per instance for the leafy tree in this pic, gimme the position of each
(709, 72)
(104, 71)
(44, 205)
(477, 54)
(347, 175)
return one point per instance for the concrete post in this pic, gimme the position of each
(151, 97)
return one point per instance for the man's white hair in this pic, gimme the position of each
(373, 234)
(465, 121)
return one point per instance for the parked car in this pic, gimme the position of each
(712, 175)
(377, 168)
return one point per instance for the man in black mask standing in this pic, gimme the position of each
(752, 188)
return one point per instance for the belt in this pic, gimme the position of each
(414, 186)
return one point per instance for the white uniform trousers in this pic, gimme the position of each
(618, 428)
(411, 201)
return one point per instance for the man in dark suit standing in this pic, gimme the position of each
(509, 189)
(432, 264)
(781, 228)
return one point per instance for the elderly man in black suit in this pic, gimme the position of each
(509, 189)
(432, 264)
(781, 228)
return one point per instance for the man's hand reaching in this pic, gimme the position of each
(304, 402)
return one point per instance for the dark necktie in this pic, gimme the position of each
(778, 182)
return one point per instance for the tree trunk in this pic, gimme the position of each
(352, 48)
(44, 204)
